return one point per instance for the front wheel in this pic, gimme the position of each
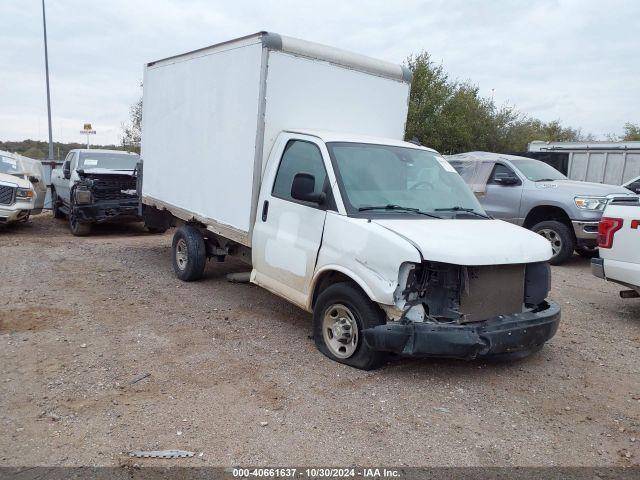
(561, 238)
(189, 253)
(78, 228)
(341, 313)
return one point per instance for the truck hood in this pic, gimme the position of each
(471, 242)
(18, 181)
(584, 189)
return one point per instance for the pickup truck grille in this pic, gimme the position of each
(7, 194)
(112, 189)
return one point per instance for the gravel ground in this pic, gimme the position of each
(235, 378)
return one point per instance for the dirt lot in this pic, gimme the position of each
(235, 378)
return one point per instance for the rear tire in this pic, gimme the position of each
(189, 253)
(341, 312)
(560, 237)
(55, 204)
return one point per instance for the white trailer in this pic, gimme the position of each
(289, 156)
(211, 117)
(613, 163)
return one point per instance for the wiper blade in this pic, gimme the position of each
(462, 209)
(397, 207)
(547, 179)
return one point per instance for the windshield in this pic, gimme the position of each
(535, 170)
(9, 165)
(382, 175)
(110, 161)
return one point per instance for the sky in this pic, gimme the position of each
(576, 61)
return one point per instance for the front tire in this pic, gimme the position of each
(340, 314)
(78, 229)
(561, 238)
(189, 253)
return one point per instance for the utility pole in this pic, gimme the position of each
(46, 68)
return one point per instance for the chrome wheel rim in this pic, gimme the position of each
(182, 256)
(340, 331)
(554, 239)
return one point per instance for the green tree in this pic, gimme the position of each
(453, 117)
(132, 130)
(631, 132)
(34, 152)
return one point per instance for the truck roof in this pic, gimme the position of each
(295, 46)
(329, 136)
(101, 150)
(485, 156)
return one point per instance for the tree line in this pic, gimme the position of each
(40, 149)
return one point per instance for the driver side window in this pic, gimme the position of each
(500, 170)
(299, 157)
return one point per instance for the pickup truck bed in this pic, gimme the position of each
(619, 240)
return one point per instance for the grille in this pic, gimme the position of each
(7, 194)
(112, 189)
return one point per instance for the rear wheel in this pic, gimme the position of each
(55, 204)
(189, 253)
(561, 239)
(341, 313)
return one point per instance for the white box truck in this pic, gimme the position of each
(289, 155)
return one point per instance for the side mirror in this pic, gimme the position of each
(66, 170)
(506, 179)
(34, 179)
(303, 187)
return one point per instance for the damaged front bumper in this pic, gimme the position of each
(504, 334)
(108, 211)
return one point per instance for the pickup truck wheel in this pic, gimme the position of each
(189, 253)
(562, 242)
(78, 228)
(340, 314)
(55, 204)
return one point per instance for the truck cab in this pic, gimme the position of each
(533, 194)
(292, 160)
(95, 186)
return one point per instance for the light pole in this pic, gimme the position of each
(46, 68)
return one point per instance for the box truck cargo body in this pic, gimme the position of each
(210, 118)
(289, 156)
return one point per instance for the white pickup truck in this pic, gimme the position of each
(243, 147)
(22, 187)
(95, 186)
(619, 243)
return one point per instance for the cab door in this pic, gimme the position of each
(503, 194)
(287, 233)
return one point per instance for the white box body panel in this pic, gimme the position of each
(211, 117)
(311, 94)
(199, 133)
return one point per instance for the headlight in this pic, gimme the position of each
(24, 194)
(591, 203)
(83, 196)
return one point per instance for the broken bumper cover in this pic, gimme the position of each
(106, 211)
(504, 334)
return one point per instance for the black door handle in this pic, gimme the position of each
(265, 210)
